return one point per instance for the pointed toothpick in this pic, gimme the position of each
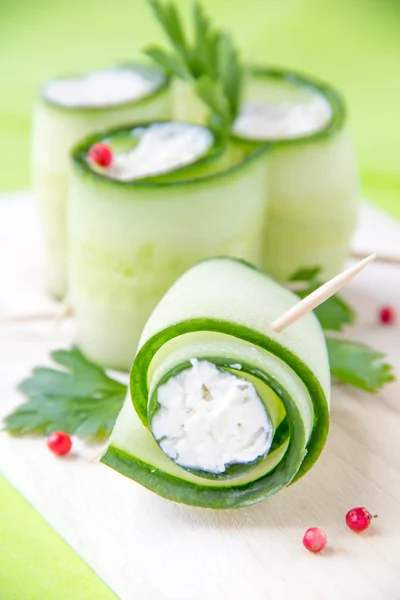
(319, 296)
(59, 314)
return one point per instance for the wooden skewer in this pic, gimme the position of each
(63, 311)
(28, 318)
(319, 296)
(57, 315)
(383, 258)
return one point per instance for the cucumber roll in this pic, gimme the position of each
(174, 194)
(69, 109)
(223, 412)
(313, 185)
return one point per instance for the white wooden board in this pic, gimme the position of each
(145, 547)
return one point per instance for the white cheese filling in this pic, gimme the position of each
(262, 120)
(209, 419)
(162, 147)
(109, 87)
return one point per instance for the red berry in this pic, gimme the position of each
(314, 539)
(387, 315)
(359, 519)
(101, 154)
(59, 442)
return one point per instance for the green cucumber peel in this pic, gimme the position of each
(186, 175)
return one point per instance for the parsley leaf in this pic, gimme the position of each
(171, 63)
(80, 400)
(169, 18)
(358, 365)
(210, 61)
(308, 274)
(334, 313)
(351, 362)
(230, 74)
(213, 95)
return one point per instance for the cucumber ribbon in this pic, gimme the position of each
(220, 311)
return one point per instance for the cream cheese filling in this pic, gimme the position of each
(263, 120)
(109, 87)
(209, 419)
(161, 148)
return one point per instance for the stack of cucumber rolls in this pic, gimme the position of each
(313, 185)
(68, 109)
(174, 194)
(223, 412)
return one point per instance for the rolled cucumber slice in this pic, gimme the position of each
(64, 114)
(220, 312)
(130, 240)
(313, 185)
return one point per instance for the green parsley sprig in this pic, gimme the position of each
(358, 365)
(210, 61)
(350, 362)
(334, 313)
(79, 399)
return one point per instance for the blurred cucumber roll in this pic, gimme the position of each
(173, 194)
(313, 185)
(68, 109)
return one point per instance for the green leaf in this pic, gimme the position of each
(212, 51)
(308, 274)
(171, 63)
(211, 60)
(205, 48)
(174, 28)
(358, 365)
(169, 19)
(81, 400)
(211, 93)
(201, 34)
(230, 73)
(334, 313)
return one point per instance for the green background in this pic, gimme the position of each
(354, 44)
